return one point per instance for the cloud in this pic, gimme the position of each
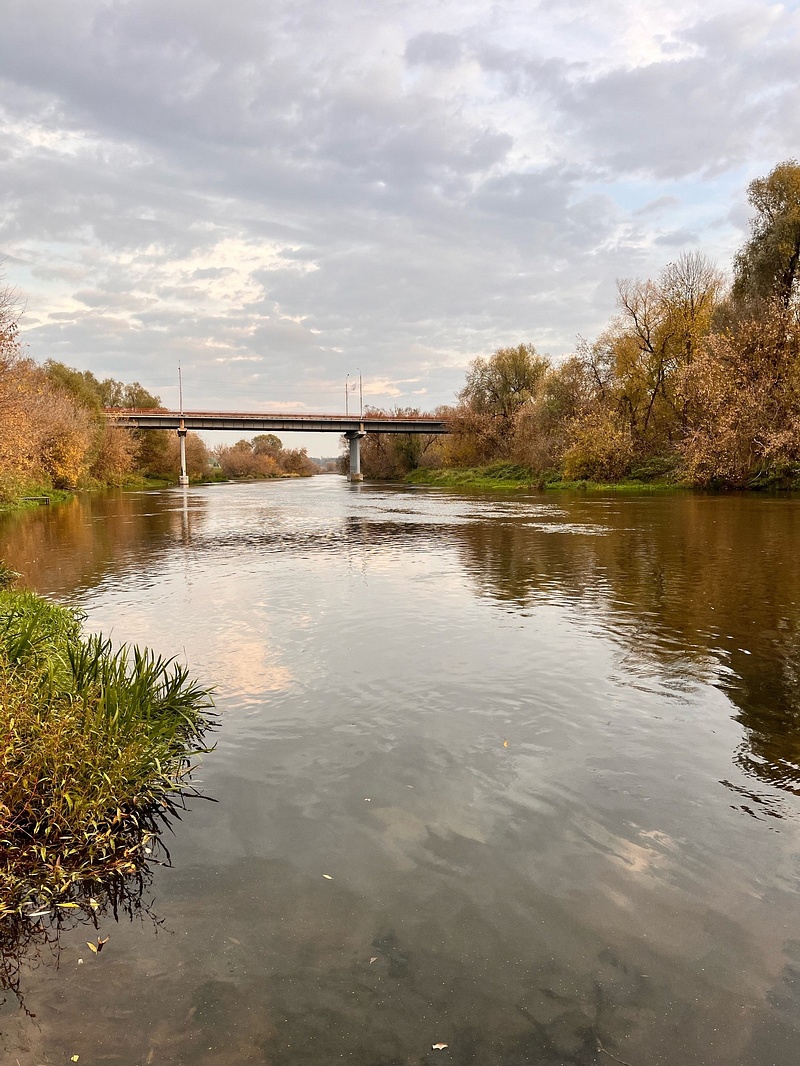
(281, 193)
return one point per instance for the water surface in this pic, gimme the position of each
(517, 774)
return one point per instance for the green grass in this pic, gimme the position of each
(494, 476)
(137, 482)
(96, 745)
(502, 476)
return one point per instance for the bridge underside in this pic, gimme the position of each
(353, 427)
(274, 423)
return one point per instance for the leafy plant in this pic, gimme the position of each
(96, 751)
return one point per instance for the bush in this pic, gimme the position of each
(96, 748)
(599, 449)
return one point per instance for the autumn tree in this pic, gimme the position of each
(389, 456)
(659, 327)
(242, 460)
(296, 461)
(543, 428)
(743, 398)
(197, 455)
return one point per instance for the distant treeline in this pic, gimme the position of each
(54, 434)
(695, 379)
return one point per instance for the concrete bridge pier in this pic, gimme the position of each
(354, 436)
(183, 478)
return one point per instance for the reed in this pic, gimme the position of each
(96, 747)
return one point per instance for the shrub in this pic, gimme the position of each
(96, 747)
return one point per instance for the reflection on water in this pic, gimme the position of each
(30, 940)
(519, 775)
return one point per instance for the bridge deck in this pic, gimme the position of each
(275, 423)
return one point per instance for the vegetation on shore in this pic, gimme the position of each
(56, 437)
(501, 476)
(96, 745)
(695, 381)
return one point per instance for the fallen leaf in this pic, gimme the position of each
(439, 1047)
(327, 877)
(505, 743)
(91, 946)
(373, 959)
(74, 1058)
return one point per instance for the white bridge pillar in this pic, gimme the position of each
(183, 477)
(354, 436)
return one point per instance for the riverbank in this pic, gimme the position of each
(508, 476)
(97, 746)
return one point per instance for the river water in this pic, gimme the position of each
(516, 774)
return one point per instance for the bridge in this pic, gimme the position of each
(353, 427)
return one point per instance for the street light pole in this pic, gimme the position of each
(183, 477)
(360, 395)
(346, 398)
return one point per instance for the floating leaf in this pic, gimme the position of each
(327, 877)
(91, 946)
(73, 906)
(439, 1047)
(74, 1058)
(373, 959)
(505, 743)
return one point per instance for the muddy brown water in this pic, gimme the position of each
(516, 774)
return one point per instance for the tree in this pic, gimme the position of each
(658, 330)
(296, 461)
(496, 391)
(743, 402)
(389, 456)
(241, 460)
(116, 455)
(267, 444)
(118, 394)
(500, 385)
(544, 427)
(768, 266)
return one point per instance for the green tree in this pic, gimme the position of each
(267, 444)
(503, 383)
(768, 266)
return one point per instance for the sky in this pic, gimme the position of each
(278, 195)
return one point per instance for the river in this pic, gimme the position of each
(516, 774)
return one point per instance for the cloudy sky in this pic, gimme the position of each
(278, 193)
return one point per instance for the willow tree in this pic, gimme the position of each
(768, 266)
(495, 392)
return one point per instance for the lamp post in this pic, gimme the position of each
(346, 397)
(183, 477)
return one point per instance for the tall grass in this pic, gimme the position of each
(96, 745)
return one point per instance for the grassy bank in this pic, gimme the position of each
(95, 749)
(505, 476)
